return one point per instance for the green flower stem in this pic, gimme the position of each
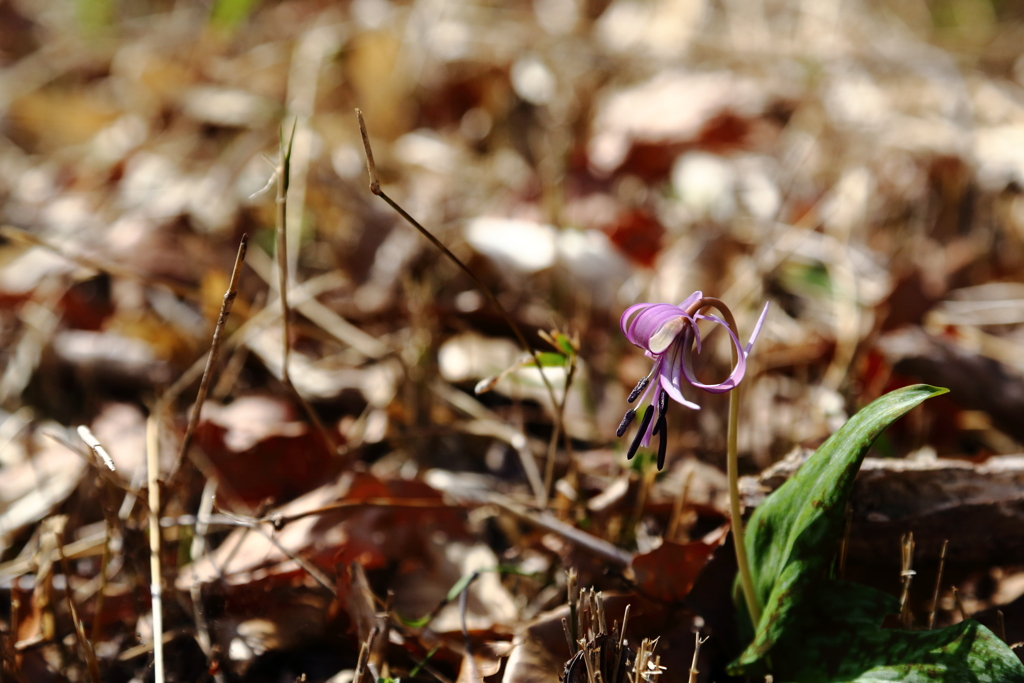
(735, 510)
(736, 513)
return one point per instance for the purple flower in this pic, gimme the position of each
(667, 334)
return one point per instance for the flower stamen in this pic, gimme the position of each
(626, 420)
(644, 424)
(641, 385)
(662, 441)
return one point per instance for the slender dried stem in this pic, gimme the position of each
(689, 470)
(572, 595)
(698, 641)
(960, 605)
(568, 636)
(90, 655)
(907, 574)
(103, 580)
(621, 645)
(155, 588)
(938, 584)
(92, 442)
(474, 670)
(283, 169)
(196, 589)
(549, 465)
(364, 656)
(520, 337)
(215, 344)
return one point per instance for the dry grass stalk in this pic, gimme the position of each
(647, 477)
(215, 344)
(364, 656)
(195, 590)
(92, 442)
(621, 645)
(689, 470)
(572, 596)
(104, 578)
(568, 636)
(698, 641)
(960, 605)
(1000, 625)
(282, 172)
(474, 670)
(647, 667)
(371, 167)
(938, 584)
(907, 574)
(83, 642)
(155, 587)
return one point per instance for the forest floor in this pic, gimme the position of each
(403, 481)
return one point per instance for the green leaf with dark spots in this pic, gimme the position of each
(791, 537)
(816, 629)
(838, 640)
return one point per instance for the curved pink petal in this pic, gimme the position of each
(650, 320)
(693, 298)
(670, 377)
(757, 327)
(734, 378)
(624, 320)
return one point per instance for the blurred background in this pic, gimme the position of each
(857, 164)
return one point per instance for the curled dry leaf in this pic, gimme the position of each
(668, 572)
(262, 450)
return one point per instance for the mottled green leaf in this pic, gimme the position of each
(791, 537)
(838, 640)
(815, 629)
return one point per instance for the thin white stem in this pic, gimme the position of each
(153, 471)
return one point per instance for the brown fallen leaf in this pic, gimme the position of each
(668, 572)
(262, 450)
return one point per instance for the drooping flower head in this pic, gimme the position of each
(668, 334)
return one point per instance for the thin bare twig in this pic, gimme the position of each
(907, 574)
(97, 448)
(549, 466)
(83, 642)
(103, 579)
(474, 670)
(155, 587)
(698, 641)
(622, 644)
(568, 636)
(960, 605)
(938, 584)
(689, 470)
(283, 169)
(211, 360)
(493, 300)
(196, 589)
(364, 656)
(543, 520)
